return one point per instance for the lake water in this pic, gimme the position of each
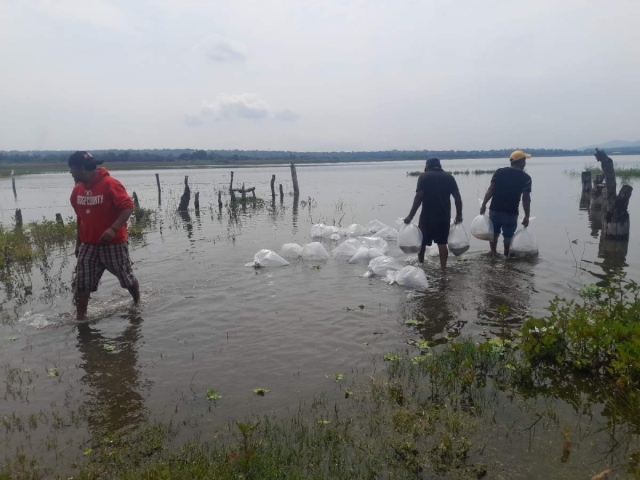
(207, 321)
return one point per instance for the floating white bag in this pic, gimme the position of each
(387, 233)
(382, 265)
(291, 250)
(317, 230)
(335, 237)
(267, 258)
(458, 239)
(356, 230)
(315, 252)
(364, 254)
(346, 249)
(411, 277)
(375, 226)
(524, 244)
(409, 237)
(482, 228)
(374, 242)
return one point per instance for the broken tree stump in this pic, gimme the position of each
(281, 194)
(233, 196)
(219, 199)
(196, 202)
(186, 196)
(159, 191)
(59, 219)
(294, 179)
(616, 224)
(18, 218)
(13, 185)
(136, 202)
(586, 182)
(273, 187)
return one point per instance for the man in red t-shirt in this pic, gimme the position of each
(102, 207)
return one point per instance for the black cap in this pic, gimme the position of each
(84, 159)
(433, 162)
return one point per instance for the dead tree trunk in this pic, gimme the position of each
(186, 196)
(220, 200)
(273, 187)
(294, 179)
(18, 218)
(59, 219)
(159, 191)
(281, 194)
(233, 195)
(616, 214)
(586, 182)
(136, 202)
(196, 202)
(13, 185)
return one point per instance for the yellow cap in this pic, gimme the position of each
(518, 155)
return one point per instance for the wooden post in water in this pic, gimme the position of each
(281, 194)
(243, 192)
(18, 218)
(196, 202)
(186, 196)
(273, 187)
(159, 191)
(220, 200)
(294, 179)
(13, 184)
(586, 182)
(233, 195)
(59, 219)
(616, 215)
(253, 192)
(136, 202)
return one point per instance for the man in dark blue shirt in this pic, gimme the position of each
(434, 191)
(507, 186)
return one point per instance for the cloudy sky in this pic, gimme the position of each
(318, 75)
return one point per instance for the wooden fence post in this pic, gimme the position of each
(273, 187)
(294, 179)
(281, 194)
(13, 184)
(18, 218)
(159, 191)
(233, 195)
(196, 202)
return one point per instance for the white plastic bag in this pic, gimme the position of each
(317, 230)
(482, 228)
(346, 249)
(315, 252)
(409, 237)
(356, 230)
(458, 239)
(387, 233)
(374, 226)
(411, 277)
(330, 230)
(335, 237)
(290, 250)
(267, 258)
(524, 244)
(364, 254)
(374, 242)
(382, 265)
(433, 250)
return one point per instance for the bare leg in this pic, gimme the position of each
(135, 292)
(507, 245)
(421, 253)
(494, 247)
(444, 255)
(82, 302)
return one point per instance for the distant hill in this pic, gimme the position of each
(613, 144)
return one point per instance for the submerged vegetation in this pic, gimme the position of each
(456, 172)
(460, 410)
(623, 173)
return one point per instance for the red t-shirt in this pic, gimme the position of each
(98, 204)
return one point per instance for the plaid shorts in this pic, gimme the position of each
(93, 260)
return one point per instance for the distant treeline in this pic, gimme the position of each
(263, 156)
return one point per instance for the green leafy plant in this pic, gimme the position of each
(213, 395)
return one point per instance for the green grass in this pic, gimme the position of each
(623, 173)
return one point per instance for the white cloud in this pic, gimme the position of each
(219, 49)
(238, 106)
(100, 13)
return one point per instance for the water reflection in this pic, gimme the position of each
(186, 220)
(111, 373)
(296, 200)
